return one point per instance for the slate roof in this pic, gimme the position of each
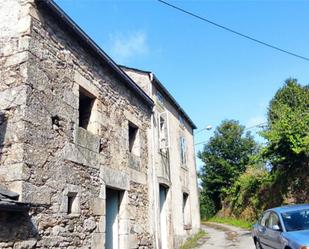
(165, 92)
(9, 201)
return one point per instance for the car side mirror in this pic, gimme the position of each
(276, 228)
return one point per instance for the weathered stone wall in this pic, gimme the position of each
(14, 37)
(16, 229)
(52, 155)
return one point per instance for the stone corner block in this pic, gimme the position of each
(98, 241)
(98, 206)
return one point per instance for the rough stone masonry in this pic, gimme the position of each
(60, 159)
(81, 151)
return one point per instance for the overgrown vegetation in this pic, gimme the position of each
(241, 179)
(226, 157)
(192, 242)
(287, 136)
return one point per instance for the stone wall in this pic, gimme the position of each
(52, 156)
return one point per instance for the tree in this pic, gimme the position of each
(287, 132)
(225, 157)
(287, 136)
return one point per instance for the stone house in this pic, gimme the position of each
(174, 168)
(77, 161)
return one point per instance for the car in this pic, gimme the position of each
(285, 227)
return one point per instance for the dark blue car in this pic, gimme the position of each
(284, 227)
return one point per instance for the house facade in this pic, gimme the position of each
(174, 168)
(79, 163)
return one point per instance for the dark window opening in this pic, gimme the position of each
(184, 208)
(132, 135)
(86, 101)
(72, 202)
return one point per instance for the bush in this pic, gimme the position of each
(244, 197)
(207, 207)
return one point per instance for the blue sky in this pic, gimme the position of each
(213, 74)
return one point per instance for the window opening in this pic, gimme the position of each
(184, 208)
(163, 136)
(132, 136)
(183, 149)
(72, 203)
(160, 98)
(86, 102)
(181, 120)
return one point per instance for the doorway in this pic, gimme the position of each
(113, 200)
(163, 216)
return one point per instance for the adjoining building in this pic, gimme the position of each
(174, 168)
(88, 158)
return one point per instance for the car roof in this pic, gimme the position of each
(289, 208)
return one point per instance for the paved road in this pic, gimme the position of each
(224, 236)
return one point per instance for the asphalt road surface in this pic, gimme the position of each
(224, 236)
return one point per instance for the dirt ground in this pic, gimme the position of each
(221, 236)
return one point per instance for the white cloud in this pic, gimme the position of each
(126, 47)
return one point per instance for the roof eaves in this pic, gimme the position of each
(135, 69)
(161, 87)
(74, 28)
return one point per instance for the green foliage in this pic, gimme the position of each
(207, 207)
(287, 137)
(225, 157)
(232, 221)
(287, 151)
(246, 190)
(243, 198)
(287, 133)
(192, 242)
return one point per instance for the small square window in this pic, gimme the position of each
(86, 102)
(181, 121)
(72, 203)
(160, 98)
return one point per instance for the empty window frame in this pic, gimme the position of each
(186, 211)
(73, 205)
(184, 205)
(133, 144)
(86, 103)
(183, 150)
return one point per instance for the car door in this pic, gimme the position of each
(261, 230)
(273, 231)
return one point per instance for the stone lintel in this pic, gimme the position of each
(115, 178)
(164, 181)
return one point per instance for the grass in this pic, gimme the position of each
(192, 242)
(232, 221)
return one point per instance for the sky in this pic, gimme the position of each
(213, 74)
